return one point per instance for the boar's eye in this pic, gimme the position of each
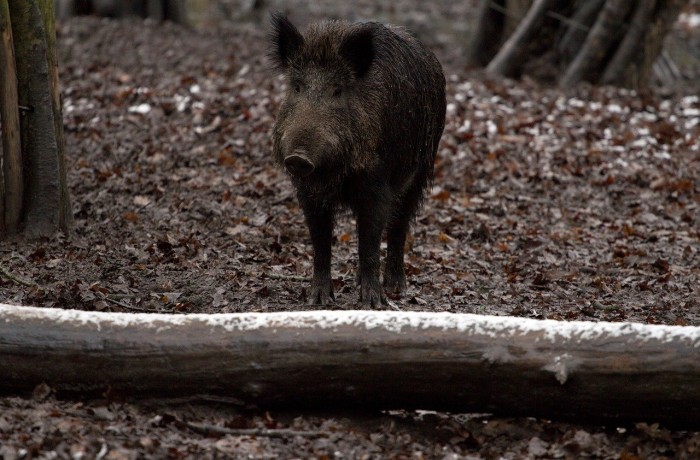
(297, 87)
(337, 91)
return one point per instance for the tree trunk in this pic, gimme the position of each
(489, 24)
(155, 10)
(176, 11)
(665, 15)
(158, 10)
(11, 182)
(600, 41)
(610, 372)
(630, 43)
(46, 202)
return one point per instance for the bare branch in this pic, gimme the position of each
(12, 277)
(206, 429)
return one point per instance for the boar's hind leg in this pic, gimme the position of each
(397, 229)
(320, 222)
(371, 219)
(394, 278)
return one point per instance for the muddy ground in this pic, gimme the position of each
(569, 205)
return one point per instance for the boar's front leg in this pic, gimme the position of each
(319, 219)
(371, 219)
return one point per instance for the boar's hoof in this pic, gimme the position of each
(298, 164)
(371, 295)
(395, 283)
(321, 293)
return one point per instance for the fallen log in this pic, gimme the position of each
(612, 372)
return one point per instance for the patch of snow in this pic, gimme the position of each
(244, 70)
(141, 108)
(690, 20)
(578, 103)
(182, 102)
(491, 128)
(642, 142)
(466, 126)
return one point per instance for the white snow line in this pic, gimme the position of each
(390, 321)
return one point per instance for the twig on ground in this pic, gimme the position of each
(279, 276)
(12, 277)
(127, 306)
(261, 432)
(193, 399)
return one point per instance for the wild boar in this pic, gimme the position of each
(358, 128)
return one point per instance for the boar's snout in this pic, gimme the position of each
(298, 164)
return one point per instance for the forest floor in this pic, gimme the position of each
(571, 205)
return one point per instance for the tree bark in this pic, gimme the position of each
(610, 372)
(11, 191)
(46, 203)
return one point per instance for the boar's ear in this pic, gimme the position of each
(358, 49)
(286, 40)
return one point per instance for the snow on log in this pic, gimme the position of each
(363, 359)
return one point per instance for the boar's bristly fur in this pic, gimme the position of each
(359, 129)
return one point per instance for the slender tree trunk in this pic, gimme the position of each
(46, 202)
(49, 17)
(511, 55)
(577, 30)
(11, 191)
(605, 31)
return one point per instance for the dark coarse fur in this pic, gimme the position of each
(359, 128)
